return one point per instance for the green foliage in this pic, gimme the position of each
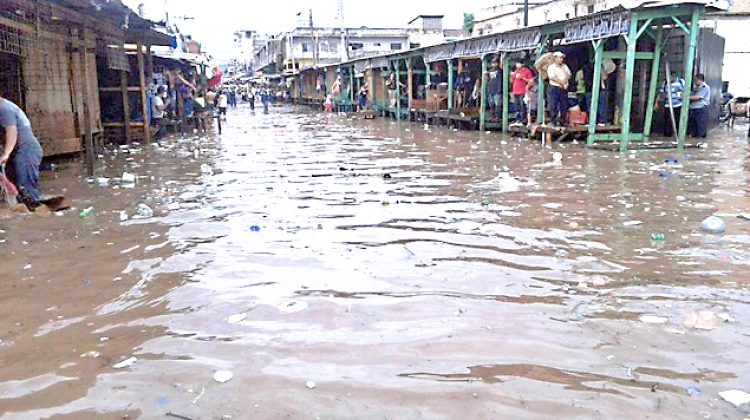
(469, 22)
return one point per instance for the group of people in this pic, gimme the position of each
(670, 102)
(197, 101)
(362, 94)
(562, 81)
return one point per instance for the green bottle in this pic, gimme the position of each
(658, 237)
(88, 211)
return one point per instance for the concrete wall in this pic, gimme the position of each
(736, 50)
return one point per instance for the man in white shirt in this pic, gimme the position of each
(559, 75)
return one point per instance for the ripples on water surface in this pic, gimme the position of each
(410, 272)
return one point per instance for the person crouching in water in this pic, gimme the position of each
(23, 150)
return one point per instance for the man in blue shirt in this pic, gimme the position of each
(674, 90)
(23, 150)
(700, 99)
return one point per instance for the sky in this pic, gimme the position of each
(214, 21)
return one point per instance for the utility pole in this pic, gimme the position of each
(525, 13)
(314, 40)
(344, 49)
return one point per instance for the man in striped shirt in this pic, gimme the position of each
(674, 90)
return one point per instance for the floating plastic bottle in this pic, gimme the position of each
(713, 224)
(145, 211)
(88, 211)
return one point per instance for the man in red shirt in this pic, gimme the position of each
(520, 78)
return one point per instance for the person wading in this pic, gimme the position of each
(23, 151)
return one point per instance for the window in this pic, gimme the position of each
(396, 46)
(355, 46)
(413, 46)
(591, 8)
(305, 48)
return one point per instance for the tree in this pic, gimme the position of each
(469, 23)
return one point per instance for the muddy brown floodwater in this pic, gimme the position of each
(357, 269)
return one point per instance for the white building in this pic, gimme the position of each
(508, 15)
(731, 26)
(427, 30)
(247, 43)
(305, 47)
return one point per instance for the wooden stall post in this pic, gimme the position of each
(450, 83)
(89, 139)
(125, 106)
(595, 89)
(144, 98)
(689, 67)
(653, 84)
(149, 66)
(373, 94)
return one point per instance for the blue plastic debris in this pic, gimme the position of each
(254, 228)
(691, 390)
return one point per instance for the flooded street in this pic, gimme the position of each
(343, 268)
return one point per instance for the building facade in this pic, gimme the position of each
(731, 26)
(508, 15)
(307, 47)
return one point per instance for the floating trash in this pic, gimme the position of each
(713, 224)
(222, 376)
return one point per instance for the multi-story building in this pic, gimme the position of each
(508, 15)
(306, 47)
(247, 43)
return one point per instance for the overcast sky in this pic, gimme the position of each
(214, 21)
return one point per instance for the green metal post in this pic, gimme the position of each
(632, 41)
(372, 87)
(506, 85)
(398, 90)
(428, 74)
(483, 96)
(541, 103)
(689, 64)
(595, 89)
(653, 85)
(450, 84)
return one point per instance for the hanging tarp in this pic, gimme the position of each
(475, 47)
(378, 62)
(439, 52)
(520, 40)
(360, 66)
(603, 25)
